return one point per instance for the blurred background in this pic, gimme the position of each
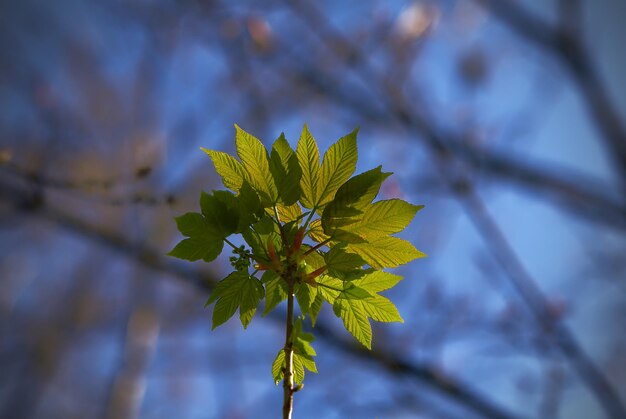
(507, 119)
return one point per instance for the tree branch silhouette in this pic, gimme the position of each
(32, 203)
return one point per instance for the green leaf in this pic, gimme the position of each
(338, 165)
(298, 369)
(230, 170)
(286, 171)
(377, 281)
(252, 293)
(254, 159)
(383, 218)
(278, 366)
(343, 265)
(275, 290)
(329, 288)
(237, 290)
(221, 210)
(305, 294)
(355, 305)
(354, 320)
(196, 248)
(300, 362)
(258, 236)
(309, 159)
(316, 232)
(204, 242)
(309, 364)
(192, 224)
(316, 307)
(250, 208)
(270, 190)
(289, 213)
(351, 200)
(314, 259)
(381, 309)
(385, 252)
(303, 352)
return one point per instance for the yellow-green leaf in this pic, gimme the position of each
(277, 366)
(221, 210)
(316, 232)
(196, 248)
(275, 290)
(351, 200)
(237, 290)
(254, 159)
(377, 281)
(230, 170)
(337, 166)
(343, 265)
(355, 305)
(316, 307)
(309, 159)
(289, 213)
(329, 288)
(385, 252)
(286, 171)
(383, 218)
(354, 320)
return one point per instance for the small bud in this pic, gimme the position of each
(297, 241)
(310, 278)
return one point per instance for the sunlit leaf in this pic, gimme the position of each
(204, 240)
(266, 209)
(255, 162)
(309, 159)
(352, 199)
(316, 232)
(355, 305)
(289, 213)
(278, 366)
(343, 265)
(195, 248)
(316, 307)
(230, 170)
(237, 290)
(354, 320)
(382, 219)
(221, 210)
(338, 165)
(377, 281)
(286, 171)
(275, 290)
(386, 252)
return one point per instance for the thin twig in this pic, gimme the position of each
(149, 258)
(288, 349)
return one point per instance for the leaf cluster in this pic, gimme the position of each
(310, 228)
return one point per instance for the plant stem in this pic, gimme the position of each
(311, 214)
(280, 227)
(330, 287)
(317, 246)
(288, 373)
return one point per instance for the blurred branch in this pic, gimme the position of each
(581, 197)
(86, 186)
(464, 190)
(395, 364)
(39, 178)
(526, 286)
(566, 45)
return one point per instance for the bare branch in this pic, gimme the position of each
(564, 44)
(152, 259)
